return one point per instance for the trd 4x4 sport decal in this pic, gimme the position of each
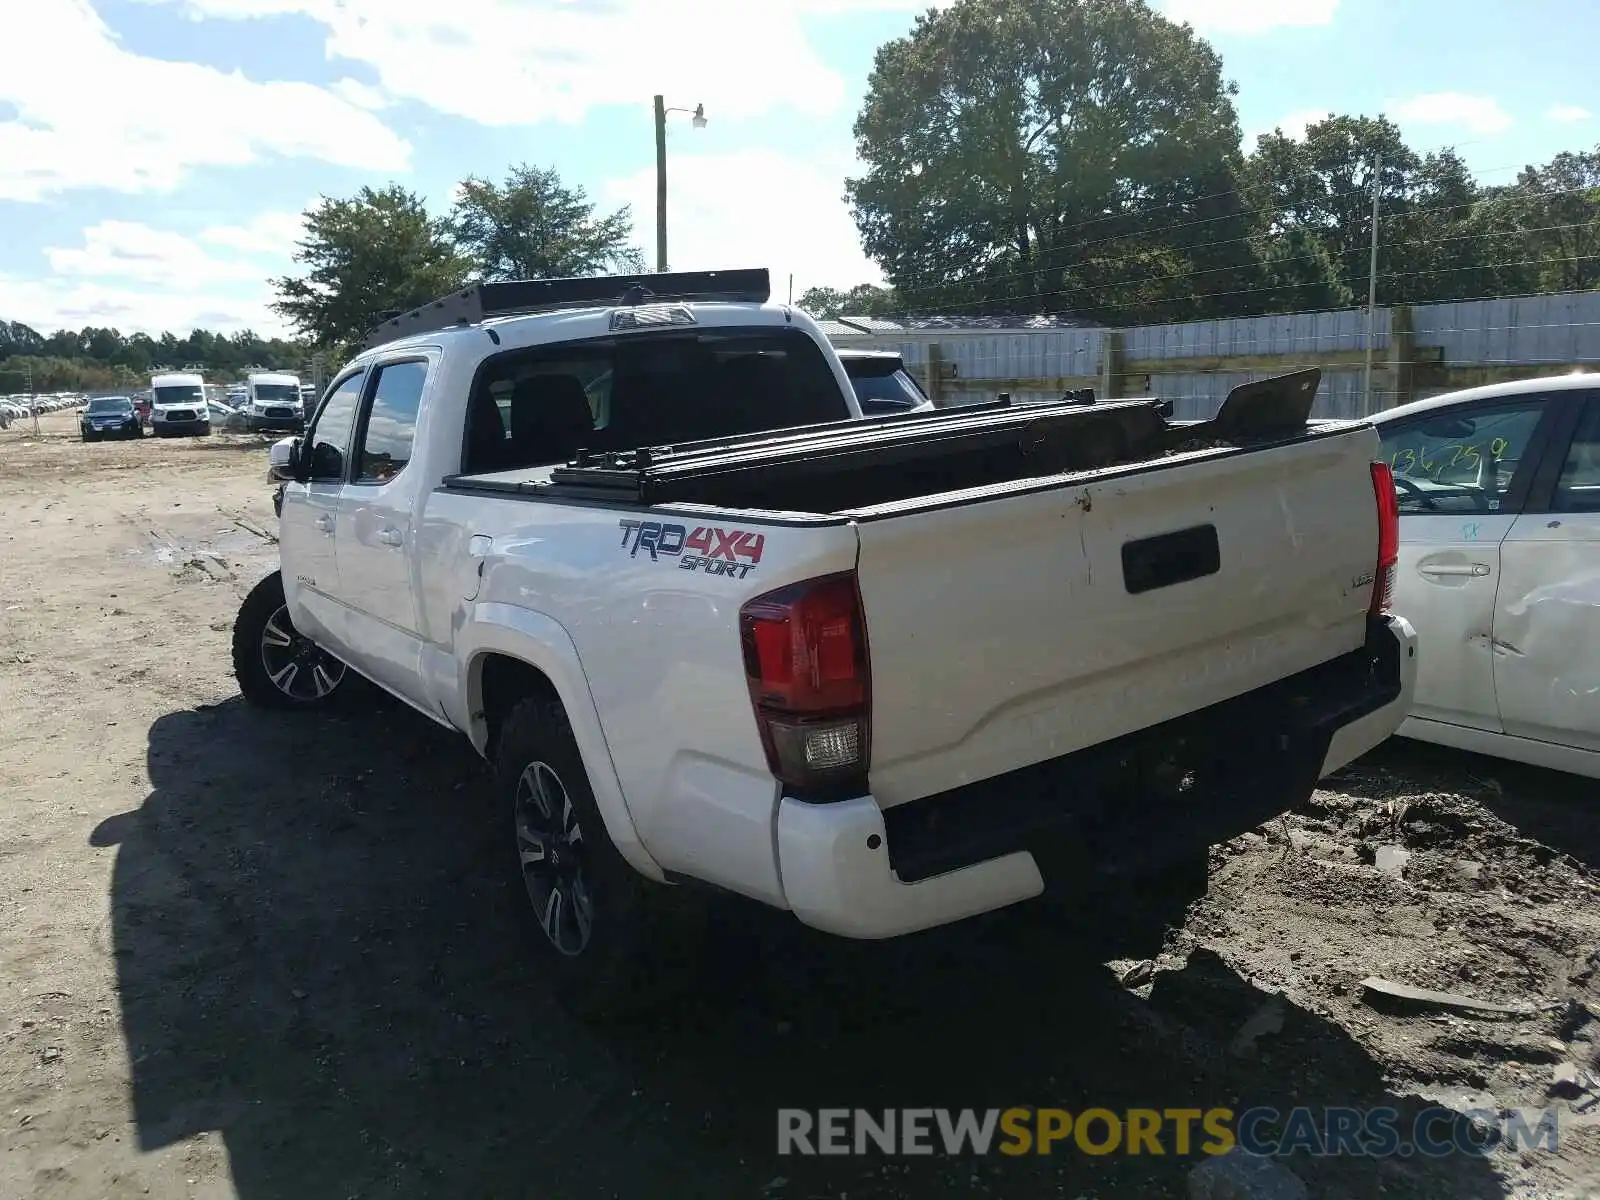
(700, 548)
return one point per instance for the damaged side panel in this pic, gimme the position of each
(1546, 645)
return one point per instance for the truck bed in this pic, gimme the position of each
(1038, 580)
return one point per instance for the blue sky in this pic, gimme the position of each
(155, 154)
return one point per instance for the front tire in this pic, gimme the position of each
(276, 666)
(610, 941)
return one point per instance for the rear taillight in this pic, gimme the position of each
(805, 657)
(1388, 537)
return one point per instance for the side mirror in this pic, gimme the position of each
(283, 460)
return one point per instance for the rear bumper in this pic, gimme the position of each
(1122, 809)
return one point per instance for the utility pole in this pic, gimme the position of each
(698, 115)
(1372, 285)
(661, 183)
(33, 405)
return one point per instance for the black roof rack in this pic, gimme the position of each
(751, 285)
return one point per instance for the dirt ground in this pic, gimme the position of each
(273, 956)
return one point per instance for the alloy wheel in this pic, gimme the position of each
(553, 856)
(297, 666)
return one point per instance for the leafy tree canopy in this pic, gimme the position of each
(533, 226)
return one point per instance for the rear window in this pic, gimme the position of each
(538, 407)
(894, 388)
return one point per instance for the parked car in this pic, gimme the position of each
(1499, 496)
(109, 416)
(709, 627)
(882, 384)
(224, 416)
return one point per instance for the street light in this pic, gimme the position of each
(698, 120)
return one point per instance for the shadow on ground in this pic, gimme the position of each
(318, 957)
(1552, 808)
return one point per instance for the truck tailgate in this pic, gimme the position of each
(1018, 624)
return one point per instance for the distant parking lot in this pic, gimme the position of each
(263, 956)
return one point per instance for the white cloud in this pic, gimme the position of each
(138, 278)
(752, 209)
(125, 250)
(1292, 125)
(519, 62)
(269, 233)
(362, 95)
(48, 305)
(1249, 16)
(1567, 112)
(122, 121)
(1480, 114)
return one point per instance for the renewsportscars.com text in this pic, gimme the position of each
(1360, 1132)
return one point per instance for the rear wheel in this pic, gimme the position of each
(276, 665)
(609, 940)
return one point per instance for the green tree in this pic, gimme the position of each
(533, 226)
(863, 300)
(1435, 241)
(1057, 155)
(375, 252)
(1555, 212)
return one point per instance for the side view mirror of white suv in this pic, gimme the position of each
(283, 460)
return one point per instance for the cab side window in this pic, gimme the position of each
(391, 423)
(1464, 461)
(329, 438)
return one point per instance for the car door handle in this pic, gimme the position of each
(390, 536)
(1478, 569)
(324, 523)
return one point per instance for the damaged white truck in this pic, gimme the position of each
(633, 538)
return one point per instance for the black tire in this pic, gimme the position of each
(87, 438)
(642, 939)
(262, 619)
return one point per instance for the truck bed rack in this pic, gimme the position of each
(513, 297)
(949, 448)
(1060, 436)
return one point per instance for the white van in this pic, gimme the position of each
(272, 401)
(178, 404)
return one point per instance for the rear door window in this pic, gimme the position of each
(1578, 486)
(391, 424)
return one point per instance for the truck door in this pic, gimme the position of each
(376, 538)
(311, 515)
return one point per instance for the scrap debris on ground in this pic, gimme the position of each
(247, 954)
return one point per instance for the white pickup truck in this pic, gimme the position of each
(635, 540)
